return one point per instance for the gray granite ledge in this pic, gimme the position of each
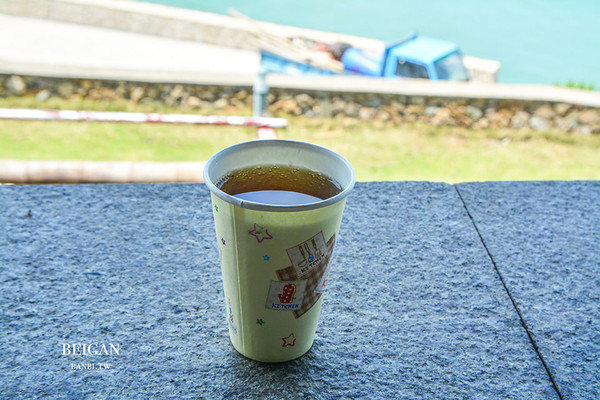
(417, 308)
(544, 238)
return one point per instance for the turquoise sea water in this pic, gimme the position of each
(537, 41)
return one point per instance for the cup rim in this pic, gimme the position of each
(251, 205)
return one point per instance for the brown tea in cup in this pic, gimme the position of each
(278, 185)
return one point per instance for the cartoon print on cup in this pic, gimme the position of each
(288, 293)
(308, 255)
(260, 233)
(289, 340)
(314, 274)
(318, 252)
(302, 263)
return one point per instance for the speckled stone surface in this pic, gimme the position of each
(415, 307)
(545, 240)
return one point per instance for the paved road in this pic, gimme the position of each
(39, 41)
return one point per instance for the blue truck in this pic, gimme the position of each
(413, 57)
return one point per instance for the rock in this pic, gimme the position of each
(85, 83)
(589, 117)
(176, 92)
(443, 117)
(122, 90)
(285, 105)
(397, 105)
(519, 119)
(384, 116)
(545, 111)
(137, 94)
(565, 124)
(409, 117)
(352, 109)
(501, 119)
(388, 109)
(193, 102)
(66, 88)
(483, 123)
(464, 121)
(323, 109)
(93, 94)
(374, 101)
(304, 100)
(338, 107)
(241, 95)
(456, 110)
(207, 95)
(16, 85)
(431, 111)
(490, 111)
(561, 109)
(237, 103)
(37, 83)
(539, 123)
(397, 119)
(163, 90)
(42, 95)
(414, 109)
(153, 92)
(473, 112)
(220, 104)
(367, 113)
(573, 113)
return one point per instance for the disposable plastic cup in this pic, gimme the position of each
(275, 259)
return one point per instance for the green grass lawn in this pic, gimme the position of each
(378, 150)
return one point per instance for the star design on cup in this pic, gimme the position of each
(289, 341)
(223, 241)
(260, 233)
(216, 208)
(266, 257)
(260, 321)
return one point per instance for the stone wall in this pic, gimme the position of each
(475, 113)
(441, 111)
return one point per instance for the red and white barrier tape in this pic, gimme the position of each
(109, 116)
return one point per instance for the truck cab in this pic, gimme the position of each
(414, 57)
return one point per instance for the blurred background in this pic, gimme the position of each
(530, 110)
